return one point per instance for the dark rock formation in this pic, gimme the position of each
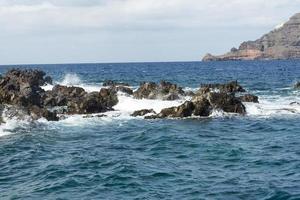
(164, 90)
(203, 104)
(61, 95)
(230, 87)
(226, 102)
(94, 102)
(21, 88)
(142, 112)
(21, 91)
(249, 98)
(78, 101)
(37, 113)
(118, 86)
(281, 43)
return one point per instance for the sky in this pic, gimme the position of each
(93, 31)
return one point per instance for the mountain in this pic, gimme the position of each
(281, 43)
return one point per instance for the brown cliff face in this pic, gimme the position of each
(281, 43)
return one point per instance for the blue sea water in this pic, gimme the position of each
(256, 156)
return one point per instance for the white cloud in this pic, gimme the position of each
(141, 14)
(55, 31)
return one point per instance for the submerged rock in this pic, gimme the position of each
(114, 83)
(94, 116)
(164, 90)
(297, 85)
(142, 112)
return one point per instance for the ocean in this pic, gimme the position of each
(224, 156)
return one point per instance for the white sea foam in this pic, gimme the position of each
(71, 79)
(128, 104)
(74, 80)
(10, 125)
(274, 106)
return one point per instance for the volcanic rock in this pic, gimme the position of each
(249, 98)
(164, 90)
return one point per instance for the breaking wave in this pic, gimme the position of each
(272, 105)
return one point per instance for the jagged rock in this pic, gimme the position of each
(142, 112)
(78, 101)
(94, 102)
(37, 113)
(202, 107)
(22, 87)
(249, 98)
(230, 87)
(60, 95)
(281, 43)
(226, 102)
(109, 97)
(164, 90)
(114, 83)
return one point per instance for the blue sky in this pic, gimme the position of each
(71, 31)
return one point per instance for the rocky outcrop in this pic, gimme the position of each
(21, 88)
(61, 95)
(21, 94)
(78, 101)
(164, 90)
(204, 102)
(92, 102)
(281, 43)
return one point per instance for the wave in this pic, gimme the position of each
(74, 80)
(273, 104)
(71, 79)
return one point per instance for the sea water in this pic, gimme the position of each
(224, 156)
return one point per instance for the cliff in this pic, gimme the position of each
(281, 43)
